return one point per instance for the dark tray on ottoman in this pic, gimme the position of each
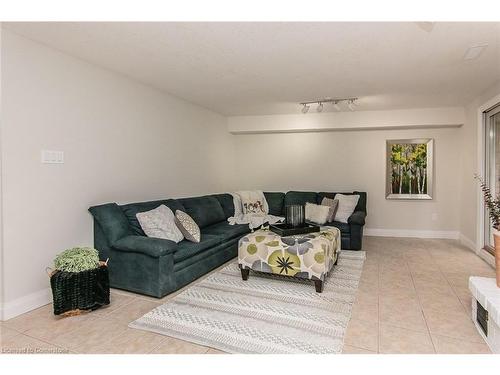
(285, 230)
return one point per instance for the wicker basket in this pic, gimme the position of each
(74, 292)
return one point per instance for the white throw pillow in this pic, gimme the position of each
(160, 223)
(347, 204)
(316, 213)
(253, 202)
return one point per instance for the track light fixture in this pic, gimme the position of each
(351, 104)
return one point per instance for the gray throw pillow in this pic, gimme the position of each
(187, 226)
(334, 205)
(160, 223)
(347, 205)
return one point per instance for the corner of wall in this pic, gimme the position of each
(26, 303)
(467, 242)
(2, 273)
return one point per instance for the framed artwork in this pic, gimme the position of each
(409, 173)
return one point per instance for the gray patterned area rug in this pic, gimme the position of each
(264, 314)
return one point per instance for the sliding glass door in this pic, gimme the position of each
(492, 165)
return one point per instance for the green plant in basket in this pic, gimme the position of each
(77, 259)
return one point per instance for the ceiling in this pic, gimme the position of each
(267, 68)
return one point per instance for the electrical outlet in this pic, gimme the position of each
(52, 157)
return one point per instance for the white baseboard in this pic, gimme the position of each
(24, 304)
(468, 243)
(487, 257)
(453, 235)
(481, 253)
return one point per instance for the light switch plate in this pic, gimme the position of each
(52, 157)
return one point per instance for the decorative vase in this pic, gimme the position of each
(294, 215)
(496, 237)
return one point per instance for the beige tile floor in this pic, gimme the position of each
(413, 298)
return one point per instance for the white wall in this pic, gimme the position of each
(469, 154)
(355, 160)
(1, 208)
(122, 141)
(360, 120)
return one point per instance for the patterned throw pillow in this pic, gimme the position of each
(187, 226)
(316, 213)
(333, 204)
(160, 223)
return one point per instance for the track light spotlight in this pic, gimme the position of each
(350, 102)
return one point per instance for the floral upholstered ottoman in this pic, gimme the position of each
(309, 256)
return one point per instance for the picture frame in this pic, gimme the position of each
(410, 169)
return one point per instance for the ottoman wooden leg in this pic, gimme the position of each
(245, 273)
(319, 285)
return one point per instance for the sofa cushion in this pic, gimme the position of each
(361, 206)
(132, 209)
(112, 221)
(343, 227)
(300, 197)
(204, 210)
(226, 231)
(186, 249)
(226, 201)
(151, 246)
(275, 202)
(205, 259)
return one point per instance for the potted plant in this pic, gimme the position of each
(493, 206)
(79, 282)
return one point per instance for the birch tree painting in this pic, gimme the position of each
(408, 169)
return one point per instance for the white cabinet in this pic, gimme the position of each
(487, 294)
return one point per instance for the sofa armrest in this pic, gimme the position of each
(154, 247)
(358, 218)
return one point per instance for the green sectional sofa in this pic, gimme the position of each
(157, 267)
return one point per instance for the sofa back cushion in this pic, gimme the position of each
(275, 201)
(226, 201)
(204, 210)
(301, 197)
(361, 206)
(111, 220)
(130, 210)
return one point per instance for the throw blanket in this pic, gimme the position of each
(250, 207)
